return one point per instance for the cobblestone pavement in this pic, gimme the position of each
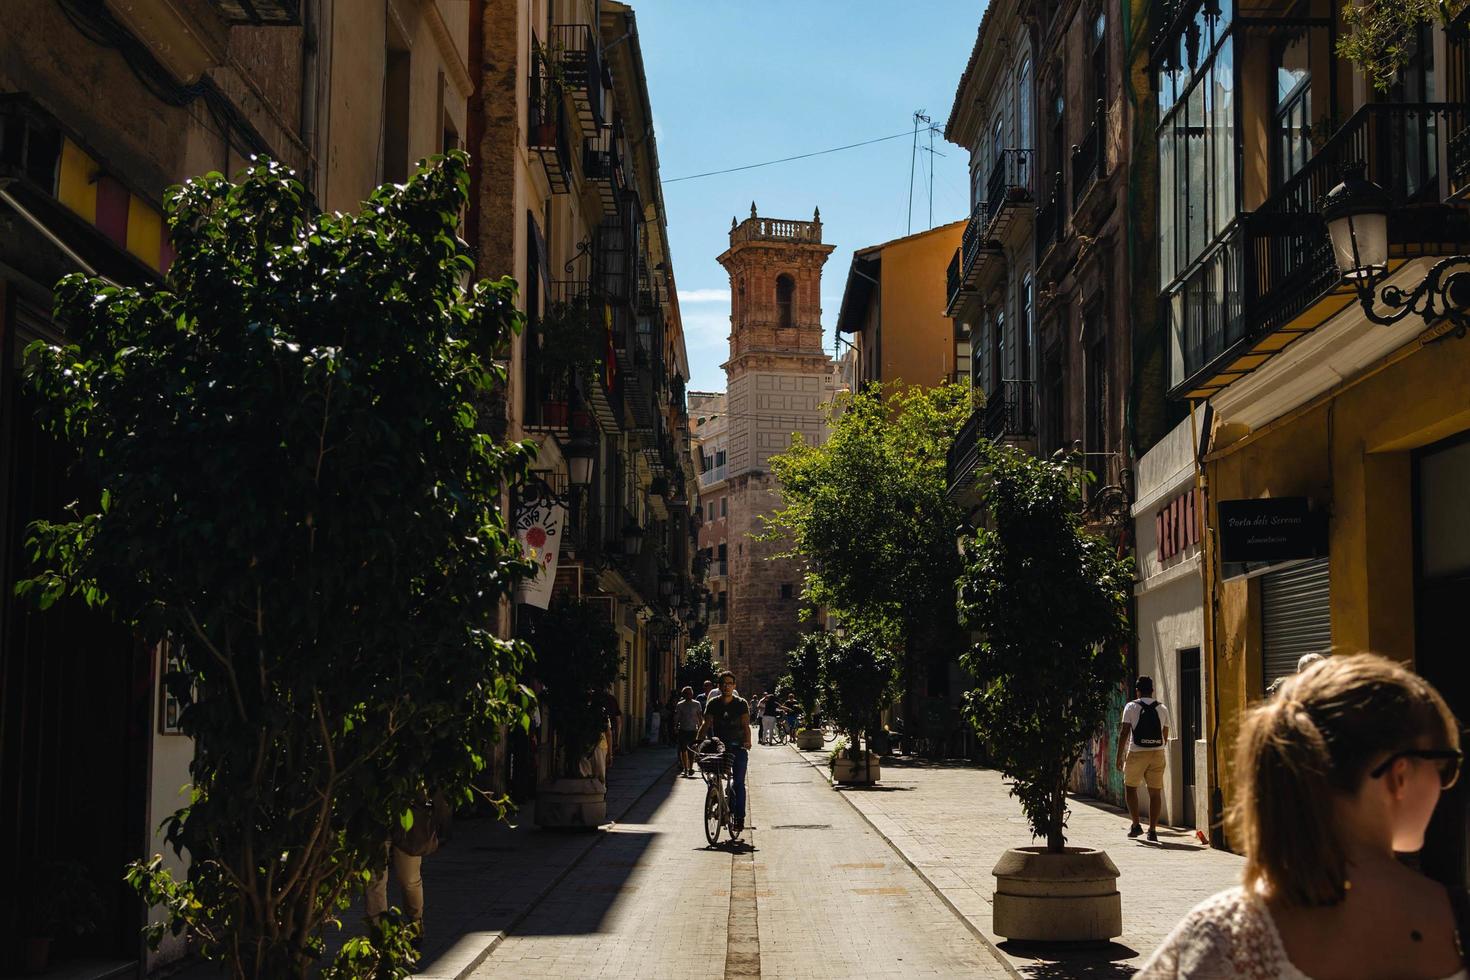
(952, 822)
(816, 894)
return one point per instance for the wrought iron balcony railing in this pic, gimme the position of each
(1010, 182)
(1087, 158)
(578, 53)
(1049, 217)
(547, 133)
(1010, 410)
(1272, 264)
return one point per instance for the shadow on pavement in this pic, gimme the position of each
(1103, 962)
(861, 788)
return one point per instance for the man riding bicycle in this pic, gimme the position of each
(728, 717)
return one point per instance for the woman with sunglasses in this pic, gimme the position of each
(1334, 776)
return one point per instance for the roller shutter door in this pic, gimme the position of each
(1296, 617)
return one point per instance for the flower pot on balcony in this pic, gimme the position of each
(554, 413)
(862, 772)
(571, 803)
(543, 134)
(809, 739)
(1068, 897)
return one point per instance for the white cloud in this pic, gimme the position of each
(704, 295)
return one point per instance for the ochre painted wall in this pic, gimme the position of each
(918, 339)
(1352, 453)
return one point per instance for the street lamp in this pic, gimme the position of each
(1356, 212)
(579, 453)
(632, 540)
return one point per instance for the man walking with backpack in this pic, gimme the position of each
(1142, 739)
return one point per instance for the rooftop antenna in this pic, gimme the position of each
(919, 117)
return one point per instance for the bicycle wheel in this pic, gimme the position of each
(712, 814)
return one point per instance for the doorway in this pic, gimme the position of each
(1441, 595)
(1191, 724)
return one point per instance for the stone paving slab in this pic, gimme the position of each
(951, 821)
(489, 876)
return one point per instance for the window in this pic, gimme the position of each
(1293, 107)
(785, 292)
(1023, 105)
(997, 140)
(711, 510)
(1099, 60)
(1097, 397)
(394, 150)
(722, 651)
(1025, 342)
(1055, 403)
(719, 457)
(724, 506)
(1058, 148)
(786, 590)
(962, 357)
(998, 356)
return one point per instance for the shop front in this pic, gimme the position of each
(1339, 522)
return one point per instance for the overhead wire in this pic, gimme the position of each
(799, 156)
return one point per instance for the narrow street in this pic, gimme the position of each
(816, 893)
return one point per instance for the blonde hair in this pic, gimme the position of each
(1313, 741)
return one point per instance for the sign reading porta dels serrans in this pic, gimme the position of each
(540, 521)
(1270, 529)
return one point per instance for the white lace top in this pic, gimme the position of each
(1229, 936)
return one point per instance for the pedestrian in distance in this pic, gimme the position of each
(703, 698)
(770, 708)
(728, 718)
(1142, 738)
(405, 853)
(1335, 776)
(687, 716)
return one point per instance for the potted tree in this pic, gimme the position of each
(804, 666)
(576, 661)
(1049, 602)
(572, 341)
(861, 677)
(62, 902)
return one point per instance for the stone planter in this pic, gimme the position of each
(809, 741)
(572, 803)
(865, 770)
(1067, 897)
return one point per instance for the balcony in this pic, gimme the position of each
(757, 229)
(260, 13)
(1049, 218)
(603, 167)
(1009, 196)
(1010, 411)
(1087, 159)
(1270, 278)
(546, 131)
(712, 476)
(963, 458)
(578, 54)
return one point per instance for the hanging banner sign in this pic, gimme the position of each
(539, 524)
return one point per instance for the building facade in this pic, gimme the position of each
(893, 307)
(711, 431)
(776, 381)
(569, 202)
(1315, 414)
(102, 108)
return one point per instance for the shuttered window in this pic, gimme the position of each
(1296, 617)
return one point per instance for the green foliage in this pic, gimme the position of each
(299, 491)
(861, 679)
(577, 659)
(1383, 34)
(868, 513)
(804, 663)
(699, 666)
(573, 340)
(1050, 601)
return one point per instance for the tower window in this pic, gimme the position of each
(785, 291)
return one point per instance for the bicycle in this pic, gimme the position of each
(718, 772)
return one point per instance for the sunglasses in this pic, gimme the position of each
(1449, 763)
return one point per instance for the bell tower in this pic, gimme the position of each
(775, 383)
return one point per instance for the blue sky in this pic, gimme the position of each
(734, 82)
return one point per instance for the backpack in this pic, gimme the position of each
(431, 822)
(1148, 733)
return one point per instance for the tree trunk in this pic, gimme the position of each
(1055, 833)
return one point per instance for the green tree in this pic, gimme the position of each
(577, 659)
(1050, 601)
(1383, 34)
(804, 665)
(297, 489)
(699, 666)
(868, 511)
(861, 677)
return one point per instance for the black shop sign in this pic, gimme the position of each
(1271, 530)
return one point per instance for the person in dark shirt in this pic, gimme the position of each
(727, 717)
